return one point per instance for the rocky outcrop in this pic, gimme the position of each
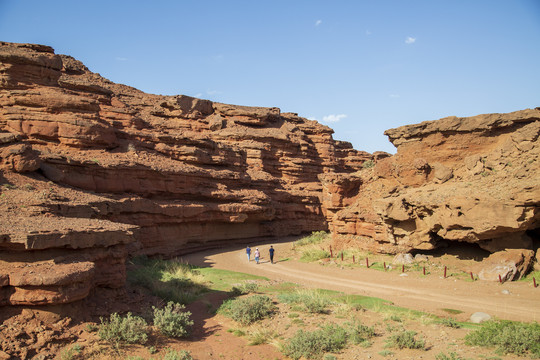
(93, 170)
(471, 180)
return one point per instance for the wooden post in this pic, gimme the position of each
(500, 279)
(472, 276)
(367, 263)
(353, 260)
(403, 268)
(331, 255)
(534, 283)
(384, 265)
(342, 256)
(424, 270)
(445, 272)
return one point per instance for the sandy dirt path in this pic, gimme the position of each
(431, 293)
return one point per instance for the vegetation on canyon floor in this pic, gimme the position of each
(317, 247)
(321, 322)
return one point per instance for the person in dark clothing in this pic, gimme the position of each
(271, 254)
(248, 252)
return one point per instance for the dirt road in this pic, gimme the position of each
(431, 293)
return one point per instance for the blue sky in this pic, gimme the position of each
(360, 67)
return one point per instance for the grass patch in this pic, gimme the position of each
(531, 275)
(449, 322)
(224, 280)
(452, 311)
(247, 310)
(314, 301)
(315, 237)
(171, 280)
(174, 280)
(508, 337)
(261, 336)
(314, 254)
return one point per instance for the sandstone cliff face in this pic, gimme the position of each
(474, 180)
(92, 170)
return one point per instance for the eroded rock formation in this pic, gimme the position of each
(474, 180)
(92, 170)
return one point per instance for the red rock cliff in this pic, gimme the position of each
(92, 169)
(474, 180)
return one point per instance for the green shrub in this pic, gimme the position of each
(358, 333)
(172, 321)
(247, 310)
(508, 337)
(312, 345)
(178, 355)
(314, 238)
(368, 164)
(129, 329)
(405, 339)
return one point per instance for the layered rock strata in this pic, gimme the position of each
(474, 180)
(92, 170)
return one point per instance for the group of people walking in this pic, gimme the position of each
(257, 254)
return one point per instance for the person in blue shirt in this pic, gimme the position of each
(248, 252)
(271, 254)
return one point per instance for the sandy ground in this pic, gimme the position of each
(430, 293)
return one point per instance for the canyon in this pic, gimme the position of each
(93, 172)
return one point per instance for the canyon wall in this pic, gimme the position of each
(471, 180)
(92, 170)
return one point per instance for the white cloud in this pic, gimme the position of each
(120, 59)
(368, 32)
(198, 95)
(410, 40)
(333, 118)
(394, 96)
(318, 22)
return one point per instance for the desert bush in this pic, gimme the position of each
(247, 310)
(312, 345)
(405, 339)
(508, 337)
(310, 255)
(358, 333)
(172, 321)
(368, 164)
(129, 329)
(177, 355)
(314, 238)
